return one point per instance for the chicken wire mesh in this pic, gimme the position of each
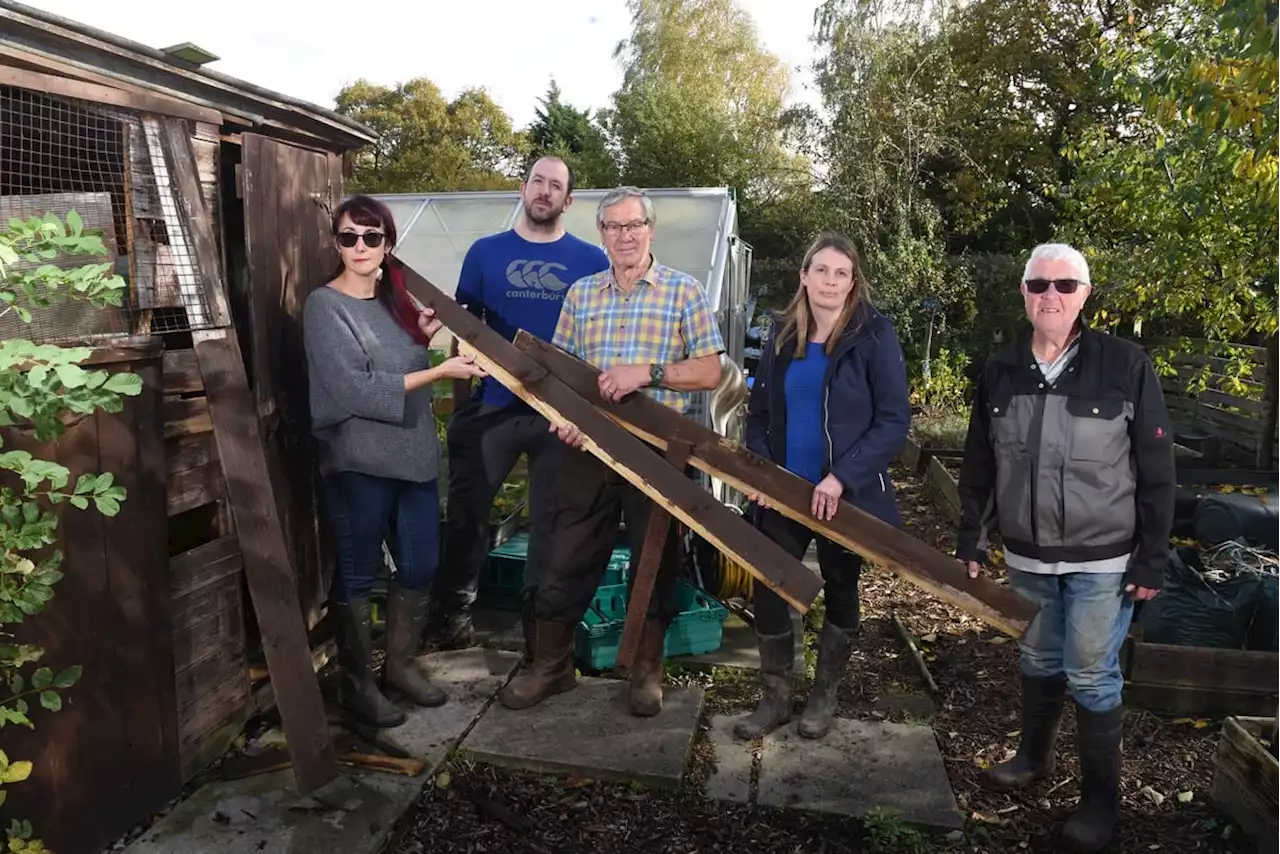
(111, 167)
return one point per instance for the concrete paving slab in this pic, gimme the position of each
(731, 779)
(858, 767)
(589, 732)
(265, 815)
(471, 677)
(738, 647)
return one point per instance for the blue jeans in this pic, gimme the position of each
(363, 512)
(1081, 625)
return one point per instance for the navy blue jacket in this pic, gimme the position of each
(866, 411)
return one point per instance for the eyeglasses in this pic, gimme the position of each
(372, 239)
(1062, 286)
(615, 227)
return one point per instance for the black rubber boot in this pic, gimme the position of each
(777, 663)
(406, 616)
(360, 694)
(835, 645)
(1099, 734)
(1042, 702)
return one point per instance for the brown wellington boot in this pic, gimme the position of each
(552, 671)
(646, 672)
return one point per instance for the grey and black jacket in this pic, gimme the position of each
(1081, 469)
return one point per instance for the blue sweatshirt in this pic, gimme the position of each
(806, 450)
(513, 284)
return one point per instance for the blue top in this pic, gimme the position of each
(513, 284)
(805, 447)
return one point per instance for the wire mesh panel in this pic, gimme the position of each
(111, 168)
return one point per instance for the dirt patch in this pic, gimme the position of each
(975, 717)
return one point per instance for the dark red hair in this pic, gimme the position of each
(390, 290)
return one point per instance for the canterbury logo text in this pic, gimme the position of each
(537, 279)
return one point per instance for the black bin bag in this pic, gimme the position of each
(1194, 611)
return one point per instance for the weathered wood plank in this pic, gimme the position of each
(1204, 667)
(1245, 781)
(88, 91)
(177, 142)
(266, 561)
(630, 458)
(646, 574)
(931, 570)
(189, 452)
(194, 487)
(203, 565)
(186, 416)
(181, 372)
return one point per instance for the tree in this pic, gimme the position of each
(574, 136)
(428, 144)
(703, 104)
(1178, 204)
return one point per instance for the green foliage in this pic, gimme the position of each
(887, 833)
(430, 144)
(576, 138)
(946, 388)
(1178, 205)
(40, 385)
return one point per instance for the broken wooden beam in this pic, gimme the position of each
(939, 574)
(268, 571)
(646, 574)
(635, 461)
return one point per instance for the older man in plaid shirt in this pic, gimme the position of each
(650, 330)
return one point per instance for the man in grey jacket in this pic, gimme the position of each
(1070, 456)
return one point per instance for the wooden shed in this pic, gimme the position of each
(214, 197)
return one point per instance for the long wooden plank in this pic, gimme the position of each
(266, 560)
(629, 457)
(655, 540)
(788, 493)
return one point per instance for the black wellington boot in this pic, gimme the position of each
(360, 694)
(777, 663)
(406, 616)
(1099, 734)
(835, 645)
(1042, 702)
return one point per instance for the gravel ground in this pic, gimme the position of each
(1167, 768)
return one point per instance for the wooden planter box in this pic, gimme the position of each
(1193, 680)
(1244, 778)
(942, 486)
(916, 456)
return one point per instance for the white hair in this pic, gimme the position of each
(1058, 252)
(621, 194)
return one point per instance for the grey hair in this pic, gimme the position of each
(621, 194)
(1058, 252)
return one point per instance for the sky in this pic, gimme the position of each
(312, 54)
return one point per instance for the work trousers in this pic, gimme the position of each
(841, 571)
(1078, 632)
(484, 443)
(364, 511)
(591, 499)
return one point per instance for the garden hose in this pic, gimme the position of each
(734, 578)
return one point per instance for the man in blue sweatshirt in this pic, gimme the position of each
(513, 280)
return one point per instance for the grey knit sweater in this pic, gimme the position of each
(357, 357)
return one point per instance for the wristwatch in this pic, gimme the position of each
(656, 374)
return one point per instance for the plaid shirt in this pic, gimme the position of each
(664, 319)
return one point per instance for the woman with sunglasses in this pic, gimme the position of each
(1070, 456)
(370, 384)
(830, 404)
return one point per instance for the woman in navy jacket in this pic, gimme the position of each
(829, 403)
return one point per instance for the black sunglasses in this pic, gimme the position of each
(372, 239)
(1062, 286)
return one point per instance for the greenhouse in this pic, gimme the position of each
(696, 233)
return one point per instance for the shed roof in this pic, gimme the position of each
(35, 32)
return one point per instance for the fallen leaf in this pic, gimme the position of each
(929, 638)
(998, 640)
(442, 780)
(1014, 734)
(1185, 797)
(1200, 724)
(1183, 720)
(1154, 796)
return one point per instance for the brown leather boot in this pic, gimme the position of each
(646, 672)
(551, 672)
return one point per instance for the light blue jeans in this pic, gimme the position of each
(1078, 631)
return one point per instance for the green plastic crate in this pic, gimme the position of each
(697, 630)
(502, 580)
